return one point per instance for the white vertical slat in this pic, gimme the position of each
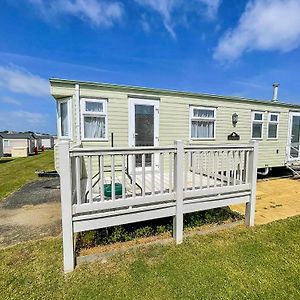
(101, 174)
(228, 166)
(208, 168)
(247, 167)
(152, 174)
(90, 179)
(170, 172)
(161, 171)
(123, 177)
(194, 161)
(200, 154)
(78, 178)
(243, 155)
(113, 191)
(143, 175)
(240, 166)
(186, 168)
(133, 176)
(214, 167)
(234, 164)
(222, 168)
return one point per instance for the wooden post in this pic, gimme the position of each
(252, 169)
(178, 180)
(66, 205)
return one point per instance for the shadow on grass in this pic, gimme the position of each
(128, 232)
(5, 160)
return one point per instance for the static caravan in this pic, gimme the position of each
(17, 141)
(101, 115)
(47, 141)
(127, 154)
(1, 146)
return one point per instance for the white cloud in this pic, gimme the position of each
(21, 81)
(167, 8)
(264, 25)
(10, 100)
(212, 7)
(97, 12)
(22, 121)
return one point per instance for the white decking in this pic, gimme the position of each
(191, 181)
(183, 179)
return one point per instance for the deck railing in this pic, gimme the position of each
(112, 186)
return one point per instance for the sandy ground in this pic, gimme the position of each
(275, 199)
(31, 213)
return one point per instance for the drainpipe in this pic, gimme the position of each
(265, 172)
(77, 101)
(275, 92)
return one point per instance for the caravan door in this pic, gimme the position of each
(294, 137)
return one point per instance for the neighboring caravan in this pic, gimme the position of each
(47, 141)
(1, 146)
(99, 115)
(18, 141)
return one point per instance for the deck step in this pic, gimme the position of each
(295, 168)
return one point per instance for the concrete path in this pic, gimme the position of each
(275, 199)
(31, 213)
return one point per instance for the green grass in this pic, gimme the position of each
(15, 172)
(241, 263)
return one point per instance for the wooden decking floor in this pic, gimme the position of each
(166, 185)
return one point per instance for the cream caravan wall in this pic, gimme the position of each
(15, 143)
(174, 119)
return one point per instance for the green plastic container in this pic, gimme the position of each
(107, 190)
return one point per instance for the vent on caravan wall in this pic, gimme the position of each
(275, 92)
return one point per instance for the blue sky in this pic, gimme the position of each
(228, 47)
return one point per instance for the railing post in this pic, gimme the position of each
(178, 180)
(66, 205)
(252, 169)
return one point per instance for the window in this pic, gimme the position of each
(202, 122)
(257, 124)
(6, 143)
(94, 119)
(273, 120)
(64, 125)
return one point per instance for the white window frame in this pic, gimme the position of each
(192, 118)
(273, 122)
(253, 121)
(85, 113)
(69, 102)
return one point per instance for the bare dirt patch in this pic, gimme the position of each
(275, 199)
(31, 213)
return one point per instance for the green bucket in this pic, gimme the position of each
(107, 190)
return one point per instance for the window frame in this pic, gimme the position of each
(8, 141)
(59, 134)
(205, 119)
(84, 113)
(273, 122)
(253, 121)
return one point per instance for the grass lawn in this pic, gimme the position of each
(241, 263)
(15, 172)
